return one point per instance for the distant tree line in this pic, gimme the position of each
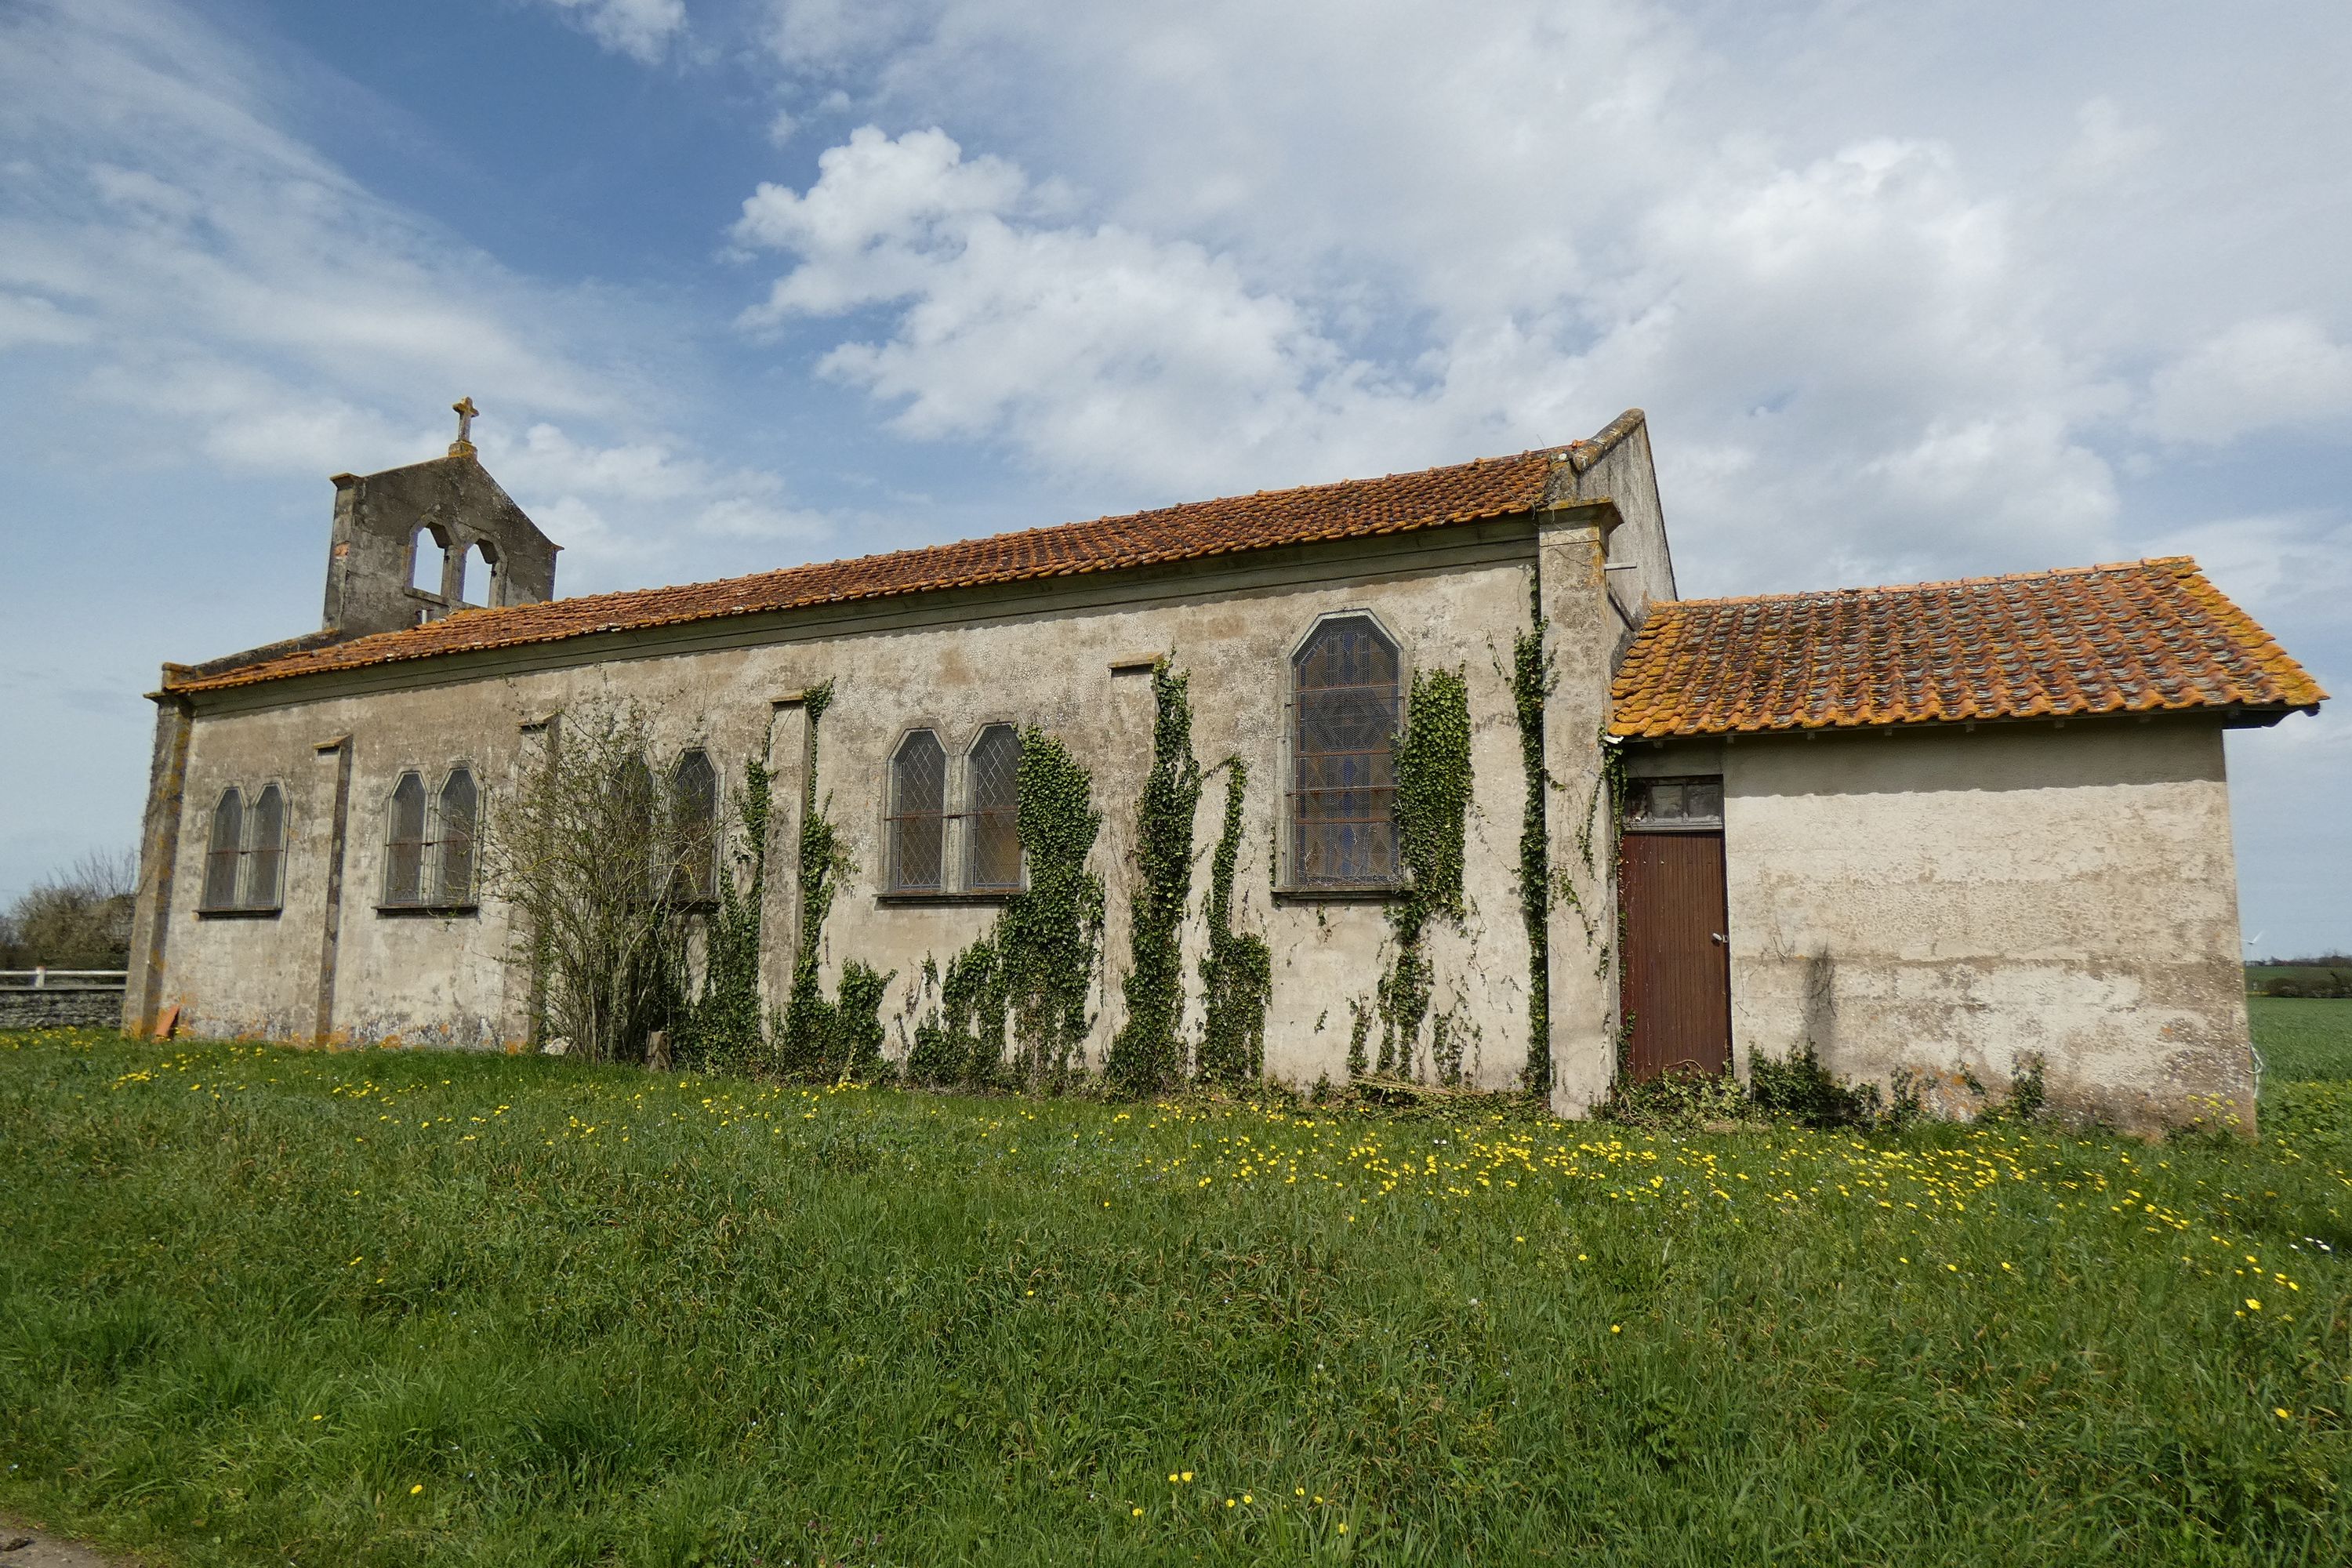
(78, 919)
(2325, 974)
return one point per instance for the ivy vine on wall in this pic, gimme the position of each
(1433, 807)
(722, 1028)
(816, 1037)
(1031, 970)
(1146, 1056)
(1532, 681)
(1237, 971)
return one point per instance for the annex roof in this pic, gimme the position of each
(2139, 636)
(1398, 503)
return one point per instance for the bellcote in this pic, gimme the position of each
(406, 540)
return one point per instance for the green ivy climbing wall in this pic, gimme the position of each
(1147, 1057)
(1433, 806)
(1237, 971)
(1532, 680)
(722, 1030)
(816, 1037)
(1031, 971)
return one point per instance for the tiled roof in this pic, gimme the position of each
(1465, 492)
(2141, 636)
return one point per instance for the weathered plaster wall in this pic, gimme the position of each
(1626, 475)
(1940, 899)
(1040, 658)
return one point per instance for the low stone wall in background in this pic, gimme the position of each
(60, 1007)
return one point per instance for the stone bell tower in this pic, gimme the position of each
(404, 537)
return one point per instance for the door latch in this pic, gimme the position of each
(1717, 936)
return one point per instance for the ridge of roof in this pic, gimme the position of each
(2138, 637)
(1932, 585)
(1585, 453)
(1474, 490)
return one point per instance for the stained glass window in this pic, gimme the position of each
(453, 835)
(264, 852)
(1343, 784)
(222, 853)
(917, 816)
(995, 788)
(403, 874)
(694, 789)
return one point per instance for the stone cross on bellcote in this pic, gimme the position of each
(463, 447)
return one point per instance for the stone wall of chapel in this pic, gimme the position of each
(446, 980)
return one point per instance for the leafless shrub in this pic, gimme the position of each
(594, 855)
(78, 918)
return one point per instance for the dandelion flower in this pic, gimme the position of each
(414, 1490)
(2252, 1305)
(1188, 1475)
(2283, 1413)
(1343, 1527)
(1137, 1514)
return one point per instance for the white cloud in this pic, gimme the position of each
(1889, 291)
(2275, 371)
(26, 319)
(1844, 344)
(235, 300)
(668, 494)
(641, 30)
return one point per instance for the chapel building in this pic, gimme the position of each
(1946, 833)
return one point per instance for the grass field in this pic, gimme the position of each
(261, 1306)
(2302, 1041)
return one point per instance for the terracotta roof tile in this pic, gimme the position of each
(1464, 493)
(2138, 637)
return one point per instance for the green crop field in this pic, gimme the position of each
(264, 1306)
(2301, 1040)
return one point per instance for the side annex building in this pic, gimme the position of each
(1947, 830)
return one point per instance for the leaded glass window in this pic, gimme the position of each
(1343, 765)
(453, 839)
(224, 851)
(995, 787)
(694, 790)
(918, 814)
(264, 850)
(404, 871)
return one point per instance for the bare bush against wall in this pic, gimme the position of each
(78, 918)
(586, 849)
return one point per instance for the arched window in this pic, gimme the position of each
(490, 576)
(918, 814)
(473, 575)
(427, 554)
(405, 840)
(264, 850)
(1343, 766)
(453, 839)
(694, 791)
(636, 841)
(224, 851)
(993, 775)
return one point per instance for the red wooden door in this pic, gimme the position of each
(1677, 973)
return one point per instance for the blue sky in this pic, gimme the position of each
(1909, 290)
